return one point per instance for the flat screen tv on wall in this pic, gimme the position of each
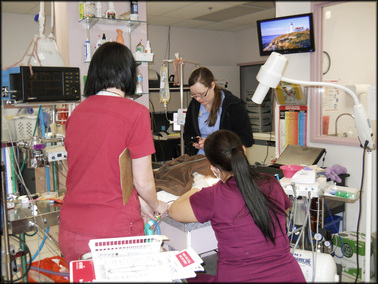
(289, 34)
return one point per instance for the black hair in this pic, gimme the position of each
(204, 76)
(224, 150)
(112, 65)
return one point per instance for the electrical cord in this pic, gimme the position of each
(57, 168)
(153, 126)
(312, 245)
(334, 224)
(360, 208)
(25, 273)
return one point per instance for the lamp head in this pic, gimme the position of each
(269, 76)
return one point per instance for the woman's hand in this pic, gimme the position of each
(200, 143)
(145, 211)
(148, 213)
(161, 210)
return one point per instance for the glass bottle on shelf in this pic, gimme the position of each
(140, 47)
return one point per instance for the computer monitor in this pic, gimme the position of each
(160, 121)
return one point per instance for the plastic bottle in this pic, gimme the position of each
(98, 9)
(345, 194)
(103, 40)
(111, 13)
(89, 9)
(99, 42)
(87, 54)
(134, 7)
(140, 47)
(148, 47)
(134, 10)
(139, 86)
(81, 10)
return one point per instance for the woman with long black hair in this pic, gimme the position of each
(247, 213)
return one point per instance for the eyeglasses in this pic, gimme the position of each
(199, 95)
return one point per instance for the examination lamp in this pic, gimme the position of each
(270, 75)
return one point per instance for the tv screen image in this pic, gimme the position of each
(290, 34)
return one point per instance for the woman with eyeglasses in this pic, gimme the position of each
(247, 211)
(213, 108)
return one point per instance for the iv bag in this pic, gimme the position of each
(164, 85)
(43, 52)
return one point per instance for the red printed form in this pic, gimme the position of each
(82, 271)
(184, 258)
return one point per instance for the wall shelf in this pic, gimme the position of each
(132, 25)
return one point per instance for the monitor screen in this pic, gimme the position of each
(160, 122)
(290, 34)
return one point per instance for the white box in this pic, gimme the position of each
(145, 57)
(56, 153)
(348, 261)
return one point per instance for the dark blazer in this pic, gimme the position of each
(234, 117)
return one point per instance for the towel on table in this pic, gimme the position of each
(176, 176)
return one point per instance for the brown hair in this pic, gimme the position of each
(204, 76)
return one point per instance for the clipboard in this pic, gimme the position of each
(126, 173)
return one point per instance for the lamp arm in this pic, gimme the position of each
(361, 119)
(327, 84)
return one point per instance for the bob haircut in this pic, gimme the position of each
(112, 65)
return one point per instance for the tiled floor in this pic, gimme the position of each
(49, 248)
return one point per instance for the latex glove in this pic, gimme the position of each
(333, 172)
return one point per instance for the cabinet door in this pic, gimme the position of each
(248, 79)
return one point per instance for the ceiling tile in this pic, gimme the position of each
(158, 8)
(192, 24)
(165, 21)
(217, 26)
(261, 4)
(228, 13)
(198, 9)
(252, 18)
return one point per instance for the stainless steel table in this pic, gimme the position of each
(24, 218)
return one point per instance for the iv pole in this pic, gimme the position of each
(181, 63)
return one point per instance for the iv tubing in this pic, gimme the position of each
(41, 245)
(181, 96)
(47, 169)
(50, 271)
(13, 172)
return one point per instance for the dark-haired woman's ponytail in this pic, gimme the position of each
(254, 199)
